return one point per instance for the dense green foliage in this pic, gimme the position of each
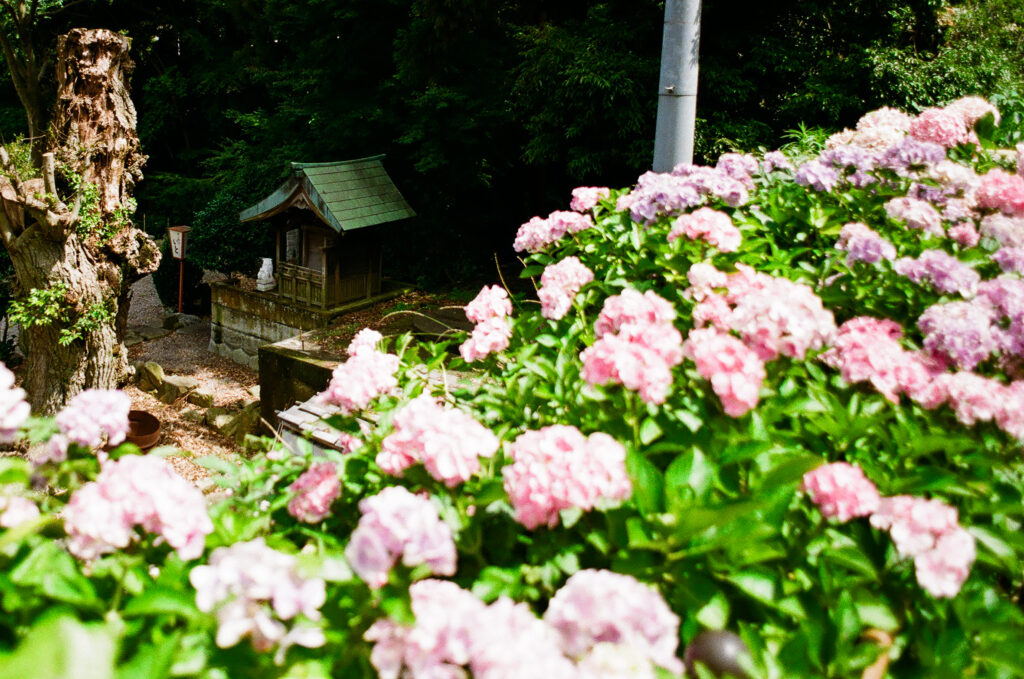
(491, 111)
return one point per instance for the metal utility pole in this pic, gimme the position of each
(677, 85)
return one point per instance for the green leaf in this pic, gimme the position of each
(648, 483)
(61, 647)
(53, 573)
(161, 601)
(15, 470)
(649, 431)
(690, 470)
(714, 614)
(217, 464)
(755, 584)
(153, 660)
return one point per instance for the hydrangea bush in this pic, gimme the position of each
(781, 397)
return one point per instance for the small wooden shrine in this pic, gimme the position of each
(326, 255)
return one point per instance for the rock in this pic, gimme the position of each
(152, 332)
(200, 398)
(235, 423)
(131, 338)
(150, 376)
(176, 386)
(255, 391)
(176, 321)
(192, 415)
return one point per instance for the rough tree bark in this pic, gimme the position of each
(92, 135)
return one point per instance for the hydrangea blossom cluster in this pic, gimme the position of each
(449, 443)
(1007, 231)
(16, 510)
(454, 631)
(637, 345)
(774, 316)
(559, 284)
(962, 332)
(712, 226)
(1010, 260)
(598, 621)
(315, 490)
(558, 468)
(925, 530)
(916, 214)
(734, 370)
(367, 374)
(537, 234)
(14, 410)
(596, 606)
(665, 195)
(868, 350)
(945, 126)
(942, 271)
(862, 244)
(929, 532)
(489, 310)
(96, 417)
(584, 198)
(253, 588)
(876, 130)
(841, 491)
(395, 524)
(776, 161)
(909, 155)
(817, 175)
(136, 491)
(739, 166)
(1000, 190)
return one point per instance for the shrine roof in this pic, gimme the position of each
(346, 195)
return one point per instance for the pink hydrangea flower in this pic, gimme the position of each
(862, 244)
(136, 491)
(55, 450)
(929, 532)
(712, 226)
(963, 332)
(365, 341)
(885, 117)
(557, 468)
(315, 490)
(363, 377)
(253, 588)
(1000, 190)
(974, 398)
(14, 410)
(841, 491)
(1007, 231)
(489, 337)
(1010, 260)
(735, 371)
(632, 307)
(868, 350)
(491, 302)
(16, 510)
(916, 214)
(455, 634)
(559, 284)
(942, 126)
(972, 109)
(704, 278)
(776, 161)
(395, 524)
(964, 234)
(778, 316)
(537, 234)
(584, 198)
(942, 271)
(599, 606)
(96, 417)
(449, 443)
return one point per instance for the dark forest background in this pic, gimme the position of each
(491, 111)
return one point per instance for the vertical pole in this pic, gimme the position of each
(677, 85)
(181, 280)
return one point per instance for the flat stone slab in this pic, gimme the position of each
(152, 332)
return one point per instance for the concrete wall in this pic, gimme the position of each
(290, 373)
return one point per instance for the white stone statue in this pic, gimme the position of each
(265, 278)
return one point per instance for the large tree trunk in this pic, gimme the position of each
(93, 133)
